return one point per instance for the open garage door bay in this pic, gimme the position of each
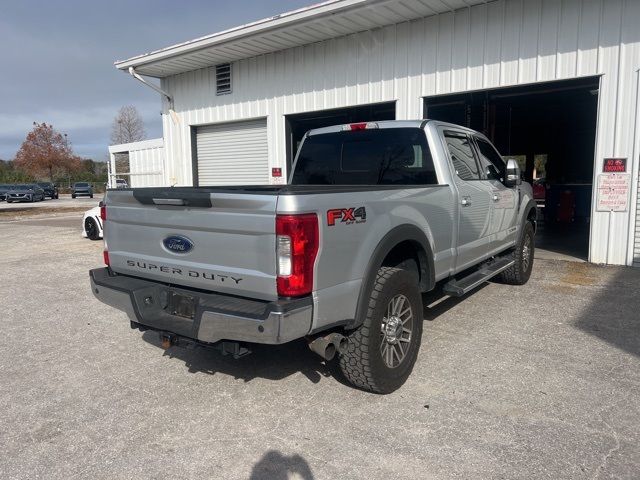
(550, 129)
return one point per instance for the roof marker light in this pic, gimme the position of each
(354, 127)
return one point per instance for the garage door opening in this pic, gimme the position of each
(299, 124)
(550, 129)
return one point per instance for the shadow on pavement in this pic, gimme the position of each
(435, 303)
(271, 362)
(275, 466)
(613, 315)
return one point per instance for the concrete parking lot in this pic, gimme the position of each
(540, 381)
(50, 207)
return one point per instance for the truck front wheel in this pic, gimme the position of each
(522, 254)
(383, 350)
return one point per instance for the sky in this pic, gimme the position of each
(56, 60)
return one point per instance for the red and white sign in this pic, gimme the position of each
(614, 165)
(613, 192)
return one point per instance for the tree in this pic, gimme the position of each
(46, 152)
(128, 126)
(10, 174)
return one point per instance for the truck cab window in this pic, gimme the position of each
(462, 156)
(490, 159)
(398, 156)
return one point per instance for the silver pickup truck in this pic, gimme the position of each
(373, 215)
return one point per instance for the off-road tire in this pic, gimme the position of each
(520, 272)
(362, 364)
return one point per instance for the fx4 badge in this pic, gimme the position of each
(346, 215)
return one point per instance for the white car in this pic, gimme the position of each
(92, 224)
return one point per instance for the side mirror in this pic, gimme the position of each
(513, 174)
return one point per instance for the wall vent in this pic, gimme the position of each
(223, 79)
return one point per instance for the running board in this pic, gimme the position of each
(458, 288)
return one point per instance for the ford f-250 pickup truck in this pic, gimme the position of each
(373, 215)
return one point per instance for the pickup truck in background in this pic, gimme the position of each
(373, 215)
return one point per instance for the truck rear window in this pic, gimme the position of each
(391, 156)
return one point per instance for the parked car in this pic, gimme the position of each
(3, 191)
(121, 183)
(80, 189)
(50, 190)
(92, 224)
(25, 193)
(374, 215)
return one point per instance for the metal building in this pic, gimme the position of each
(140, 164)
(553, 82)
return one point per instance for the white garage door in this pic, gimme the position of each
(233, 153)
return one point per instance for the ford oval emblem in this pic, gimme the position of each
(178, 244)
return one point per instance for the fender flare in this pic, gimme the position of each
(394, 237)
(531, 205)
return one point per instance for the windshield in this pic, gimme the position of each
(45, 184)
(393, 156)
(81, 184)
(22, 187)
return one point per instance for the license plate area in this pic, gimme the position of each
(181, 305)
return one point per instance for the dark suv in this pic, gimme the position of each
(50, 190)
(82, 188)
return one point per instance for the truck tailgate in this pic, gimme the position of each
(222, 241)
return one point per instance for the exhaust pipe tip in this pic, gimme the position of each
(330, 352)
(340, 341)
(323, 347)
(327, 347)
(343, 345)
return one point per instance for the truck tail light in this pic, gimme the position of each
(103, 217)
(297, 243)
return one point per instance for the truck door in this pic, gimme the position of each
(504, 200)
(474, 200)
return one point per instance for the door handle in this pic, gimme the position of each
(466, 201)
(495, 197)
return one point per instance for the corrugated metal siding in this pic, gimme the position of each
(503, 43)
(636, 243)
(233, 153)
(146, 163)
(147, 167)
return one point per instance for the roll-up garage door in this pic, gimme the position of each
(232, 153)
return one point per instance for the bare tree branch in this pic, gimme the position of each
(127, 126)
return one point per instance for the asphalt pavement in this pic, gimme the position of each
(539, 381)
(65, 201)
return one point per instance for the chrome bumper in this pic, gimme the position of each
(216, 316)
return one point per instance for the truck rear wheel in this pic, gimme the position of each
(523, 253)
(383, 350)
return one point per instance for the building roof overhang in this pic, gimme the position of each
(322, 21)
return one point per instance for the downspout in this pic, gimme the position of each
(137, 76)
(174, 116)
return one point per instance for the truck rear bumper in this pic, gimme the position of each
(215, 316)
